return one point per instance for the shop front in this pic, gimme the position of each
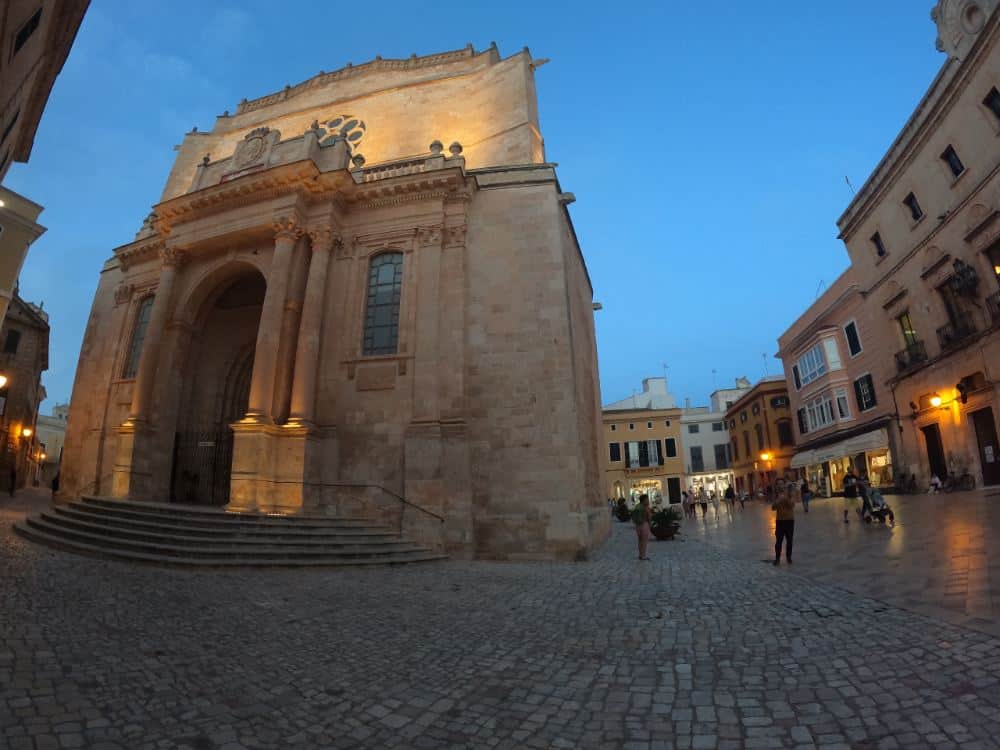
(710, 482)
(865, 455)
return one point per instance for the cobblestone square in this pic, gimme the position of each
(701, 647)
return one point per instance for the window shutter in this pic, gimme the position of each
(659, 453)
(643, 453)
(871, 390)
(857, 395)
(803, 426)
(795, 374)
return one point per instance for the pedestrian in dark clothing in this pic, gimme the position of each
(806, 495)
(784, 525)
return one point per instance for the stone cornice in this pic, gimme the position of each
(140, 251)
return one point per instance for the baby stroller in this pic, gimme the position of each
(876, 508)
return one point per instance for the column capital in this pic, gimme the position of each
(287, 227)
(172, 257)
(324, 238)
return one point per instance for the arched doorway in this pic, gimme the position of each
(216, 390)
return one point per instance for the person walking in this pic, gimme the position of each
(703, 502)
(715, 503)
(642, 516)
(806, 494)
(784, 524)
(850, 494)
(731, 497)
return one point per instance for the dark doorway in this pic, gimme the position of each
(989, 450)
(935, 451)
(674, 489)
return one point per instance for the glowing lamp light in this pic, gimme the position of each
(42, 456)
(765, 456)
(996, 269)
(3, 380)
(26, 431)
(935, 401)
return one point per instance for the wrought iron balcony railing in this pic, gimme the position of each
(993, 305)
(914, 353)
(957, 331)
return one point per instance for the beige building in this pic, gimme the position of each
(36, 37)
(761, 435)
(923, 235)
(836, 369)
(51, 435)
(325, 314)
(19, 227)
(24, 356)
(642, 451)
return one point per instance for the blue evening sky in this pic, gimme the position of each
(707, 145)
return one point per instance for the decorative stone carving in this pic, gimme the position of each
(172, 256)
(346, 128)
(455, 149)
(323, 238)
(455, 236)
(255, 147)
(123, 293)
(358, 161)
(287, 227)
(436, 147)
(959, 23)
(429, 236)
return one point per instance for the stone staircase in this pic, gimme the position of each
(193, 536)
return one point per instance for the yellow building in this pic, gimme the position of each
(642, 445)
(761, 435)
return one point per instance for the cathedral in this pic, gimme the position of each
(361, 291)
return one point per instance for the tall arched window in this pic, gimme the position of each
(138, 336)
(385, 283)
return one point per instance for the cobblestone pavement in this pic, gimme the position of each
(695, 649)
(942, 558)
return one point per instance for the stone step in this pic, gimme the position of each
(212, 551)
(88, 514)
(217, 519)
(242, 538)
(208, 512)
(233, 561)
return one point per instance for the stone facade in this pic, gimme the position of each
(24, 356)
(360, 318)
(761, 436)
(923, 236)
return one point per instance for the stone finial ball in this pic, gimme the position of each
(436, 147)
(455, 148)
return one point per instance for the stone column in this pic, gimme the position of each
(303, 405)
(287, 233)
(149, 358)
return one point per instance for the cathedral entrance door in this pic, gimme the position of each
(217, 392)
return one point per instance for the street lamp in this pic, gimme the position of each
(26, 432)
(765, 456)
(935, 401)
(3, 380)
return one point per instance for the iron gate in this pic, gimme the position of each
(203, 464)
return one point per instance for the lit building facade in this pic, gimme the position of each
(761, 435)
(642, 451)
(923, 235)
(707, 451)
(329, 311)
(836, 370)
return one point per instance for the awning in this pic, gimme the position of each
(868, 441)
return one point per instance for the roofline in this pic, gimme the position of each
(760, 385)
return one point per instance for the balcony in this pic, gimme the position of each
(993, 305)
(959, 330)
(914, 353)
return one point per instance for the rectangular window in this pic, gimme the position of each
(614, 428)
(760, 437)
(697, 460)
(832, 354)
(632, 454)
(718, 426)
(138, 336)
(803, 422)
(853, 340)
(864, 392)
(907, 329)
(615, 451)
(843, 407)
(671, 447)
(385, 285)
(721, 456)
(910, 201)
(812, 365)
(796, 377)
(649, 425)
(746, 443)
(880, 250)
(736, 450)
(785, 436)
(12, 342)
(992, 102)
(631, 425)
(950, 157)
(693, 428)
(779, 402)
(26, 31)
(666, 423)
(755, 409)
(743, 416)
(820, 412)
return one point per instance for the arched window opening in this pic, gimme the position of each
(385, 284)
(138, 336)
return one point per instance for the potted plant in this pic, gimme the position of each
(622, 512)
(666, 522)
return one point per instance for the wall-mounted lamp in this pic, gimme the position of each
(765, 456)
(935, 401)
(26, 432)
(3, 380)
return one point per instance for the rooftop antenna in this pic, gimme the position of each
(848, 181)
(764, 357)
(665, 368)
(714, 386)
(818, 287)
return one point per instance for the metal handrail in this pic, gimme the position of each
(386, 490)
